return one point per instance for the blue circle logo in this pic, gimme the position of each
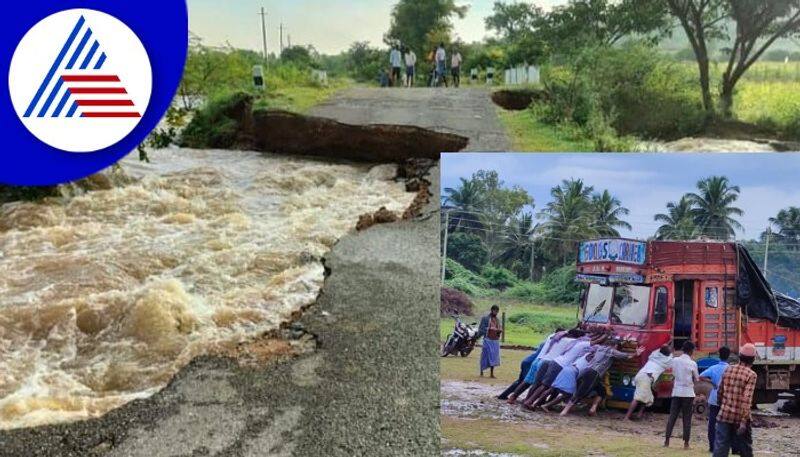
(87, 82)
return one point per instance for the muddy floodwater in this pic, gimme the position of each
(105, 296)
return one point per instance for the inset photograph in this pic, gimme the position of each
(641, 302)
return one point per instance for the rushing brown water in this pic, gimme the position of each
(106, 295)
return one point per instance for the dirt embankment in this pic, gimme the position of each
(517, 99)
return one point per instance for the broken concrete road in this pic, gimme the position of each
(467, 111)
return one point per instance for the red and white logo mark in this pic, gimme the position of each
(80, 80)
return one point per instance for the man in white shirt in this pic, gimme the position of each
(411, 64)
(396, 61)
(684, 370)
(441, 59)
(455, 67)
(657, 363)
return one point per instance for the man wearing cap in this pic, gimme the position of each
(735, 396)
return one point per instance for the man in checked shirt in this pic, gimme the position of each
(735, 396)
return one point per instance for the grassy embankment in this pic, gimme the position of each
(300, 99)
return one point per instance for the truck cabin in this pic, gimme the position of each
(655, 293)
(676, 290)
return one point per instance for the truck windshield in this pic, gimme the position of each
(598, 303)
(631, 304)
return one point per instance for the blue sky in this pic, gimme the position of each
(645, 182)
(329, 25)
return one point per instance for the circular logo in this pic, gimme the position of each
(80, 80)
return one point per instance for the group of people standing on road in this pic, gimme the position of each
(401, 56)
(570, 367)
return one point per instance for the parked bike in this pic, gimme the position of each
(462, 340)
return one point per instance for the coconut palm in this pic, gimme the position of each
(568, 216)
(678, 222)
(788, 224)
(607, 212)
(516, 243)
(712, 208)
(465, 201)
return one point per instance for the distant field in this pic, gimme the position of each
(535, 324)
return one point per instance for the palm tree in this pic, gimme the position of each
(466, 201)
(678, 221)
(607, 211)
(567, 217)
(712, 210)
(788, 224)
(516, 243)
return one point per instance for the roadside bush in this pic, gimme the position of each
(455, 303)
(555, 288)
(628, 90)
(499, 277)
(217, 123)
(460, 278)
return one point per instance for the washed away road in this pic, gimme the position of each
(468, 112)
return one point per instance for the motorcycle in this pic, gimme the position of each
(462, 340)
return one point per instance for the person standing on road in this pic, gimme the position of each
(714, 376)
(490, 330)
(735, 398)
(441, 62)
(396, 61)
(411, 64)
(455, 67)
(684, 369)
(646, 378)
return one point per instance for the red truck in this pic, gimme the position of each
(712, 293)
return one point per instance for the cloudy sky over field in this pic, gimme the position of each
(645, 182)
(329, 25)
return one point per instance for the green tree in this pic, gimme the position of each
(756, 27)
(567, 217)
(788, 224)
(712, 208)
(607, 212)
(421, 24)
(297, 55)
(516, 244)
(468, 250)
(364, 62)
(678, 221)
(466, 202)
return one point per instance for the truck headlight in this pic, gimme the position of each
(626, 380)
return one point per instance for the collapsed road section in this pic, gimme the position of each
(320, 382)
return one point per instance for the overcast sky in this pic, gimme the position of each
(329, 25)
(645, 182)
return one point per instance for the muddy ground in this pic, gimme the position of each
(474, 422)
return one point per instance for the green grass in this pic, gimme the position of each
(466, 368)
(774, 104)
(540, 320)
(300, 99)
(528, 133)
(533, 439)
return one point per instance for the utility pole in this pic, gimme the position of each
(289, 39)
(444, 251)
(766, 251)
(263, 15)
(533, 256)
(281, 38)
